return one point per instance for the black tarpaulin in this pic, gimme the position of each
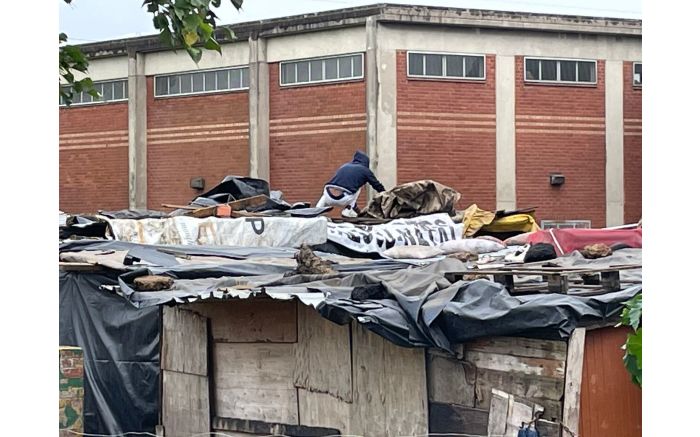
(121, 347)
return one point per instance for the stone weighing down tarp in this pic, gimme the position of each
(244, 232)
(429, 230)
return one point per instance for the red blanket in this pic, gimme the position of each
(567, 240)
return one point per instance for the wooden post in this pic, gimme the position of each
(572, 385)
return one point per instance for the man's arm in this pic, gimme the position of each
(374, 182)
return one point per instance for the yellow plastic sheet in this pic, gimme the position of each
(476, 218)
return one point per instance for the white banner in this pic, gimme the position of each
(245, 232)
(429, 230)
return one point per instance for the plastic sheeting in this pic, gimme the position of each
(424, 308)
(429, 230)
(246, 232)
(122, 353)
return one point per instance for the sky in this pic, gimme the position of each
(97, 20)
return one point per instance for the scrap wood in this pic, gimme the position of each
(167, 205)
(236, 205)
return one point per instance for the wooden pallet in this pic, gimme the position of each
(556, 279)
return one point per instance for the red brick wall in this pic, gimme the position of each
(201, 135)
(93, 158)
(313, 130)
(561, 129)
(633, 147)
(455, 143)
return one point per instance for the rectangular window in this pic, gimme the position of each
(110, 91)
(446, 66)
(566, 224)
(637, 74)
(201, 82)
(560, 70)
(328, 69)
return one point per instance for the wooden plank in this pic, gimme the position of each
(185, 405)
(236, 205)
(549, 429)
(498, 413)
(258, 427)
(572, 387)
(389, 387)
(507, 415)
(184, 342)
(509, 363)
(545, 391)
(250, 320)
(255, 381)
(324, 410)
(450, 381)
(79, 267)
(521, 347)
(446, 418)
(323, 358)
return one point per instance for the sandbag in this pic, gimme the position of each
(412, 252)
(471, 245)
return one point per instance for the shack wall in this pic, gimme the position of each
(279, 364)
(460, 388)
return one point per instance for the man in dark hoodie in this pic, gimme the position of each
(344, 188)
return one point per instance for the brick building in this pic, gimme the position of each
(490, 103)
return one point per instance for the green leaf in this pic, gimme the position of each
(216, 3)
(195, 53)
(206, 29)
(62, 37)
(192, 22)
(237, 3)
(212, 44)
(190, 38)
(166, 37)
(160, 21)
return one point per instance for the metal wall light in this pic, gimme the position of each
(556, 179)
(197, 183)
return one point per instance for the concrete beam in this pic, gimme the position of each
(505, 133)
(259, 110)
(386, 169)
(614, 144)
(349, 17)
(138, 166)
(509, 20)
(371, 94)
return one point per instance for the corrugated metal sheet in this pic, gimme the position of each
(611, 405)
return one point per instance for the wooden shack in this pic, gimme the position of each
(261, 366)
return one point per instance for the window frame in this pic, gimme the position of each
(444, 66)
(634, 64)
(203, 71)
(311, 82)
(559, 82)
(102, 102)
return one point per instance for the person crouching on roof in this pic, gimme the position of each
(344, 188)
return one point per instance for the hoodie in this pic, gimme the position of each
(353, 175)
